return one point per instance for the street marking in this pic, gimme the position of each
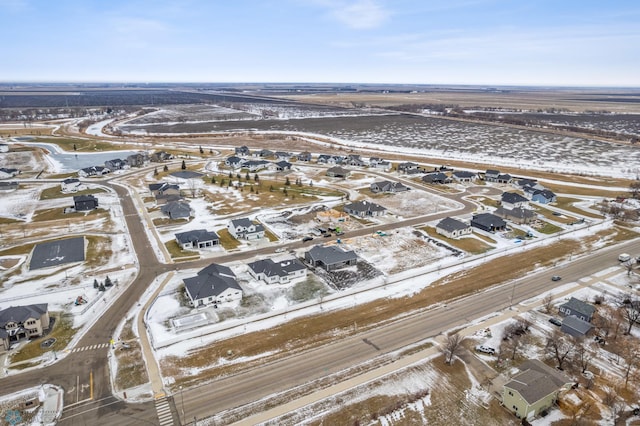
(90, 348)
(164, 412)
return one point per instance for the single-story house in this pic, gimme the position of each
(163, 188)
(330, 159)
(197, 239)
(534, 389)
(408, 167)
(491, 175)
(23, 322)
(71, 185)
(513, 200)
(337, 172)
(453, 228)
(383, 165)
(304, 156)
(234, 162)
(257, 165)
(388, 186)
(364, 209)
(85, 202)
(577, 308)
(283, 155)
(262, 153)
(437, 177)
(517, 215)
(283, 165)
(575, 327)
(6, 173)
(355, 160)
(464, 176)
(212, 285)
(245, 229)
(282, 271)
(523, 183)
(330, 258)
(488, 222)
(176, 210)
(93, 171)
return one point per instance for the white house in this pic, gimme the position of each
(281, 272)
(212, 285)
(71, 185)
(245, 229)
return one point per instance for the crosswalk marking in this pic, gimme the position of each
(164, 412)
(90, 348)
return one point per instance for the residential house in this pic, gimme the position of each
(283, 155)
(542, 196)
(364, 209)
(242, 151)
(382, 165)
(388, 186)
(517, 215)
(408, 167)
(23, 322)
(6, 173)
(71, 185)
(436, 178)
(176, 210)
(338, 172)
(330, 159)
(160, 156)
(83, 203)
(263, 153)
(283, 165)
(245, 229)
(488, 222)
(115, 164)
(491, 175)
(534, 389)
(164, 188)
(137, 159)
(197, 239)
(8, 186)
(453, 228)
(257, 165)
(304, 156)
(577, 308)
(513, 200)
(575, 327)
(234, 162)
(463, 176)
(355, 160)
(212, 285)
(93, 171)
(523, 183)
(281, 272)
(330, 258)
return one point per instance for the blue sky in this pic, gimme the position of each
(487, 42)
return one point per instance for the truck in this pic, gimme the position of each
(624, 257)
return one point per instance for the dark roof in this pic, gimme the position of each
(450, 224)
(337, 170)
(83, 198)
(20, 314)
(517, 213)
(492, 172)
(463, 174)
(331, 255)
(271, 268)
(578, 305)
(577, 324)
(489, 220)
(536, 380)
(245, 223)
(211, 281)
(513, 197)
(176, 209)
(433, 177)
(70, 180)
(196, 235)
(364, 206)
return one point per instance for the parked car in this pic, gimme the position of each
(280, 250)
(305, 239)
(556, 278)
(555, 321)
(486, 349)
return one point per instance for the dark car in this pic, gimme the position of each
(305, 239)
(556, 278)
(555, 321)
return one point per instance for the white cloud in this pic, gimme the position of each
(359, 14)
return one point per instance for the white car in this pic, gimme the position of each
(280, 250)
(485, 349)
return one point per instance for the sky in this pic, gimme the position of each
(480, 42)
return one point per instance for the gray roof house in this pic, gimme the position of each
(330, 257)
(283, 165)
(533, 390)
(212, 285)
(115, 164)
(542, 196)
(83, 203)
(577, 308)
(464, 176)
(245, 229)
(513, 200)
(257, 165)
(575, 327)
(338, 172)
(93, 171)
(282, 271)
(488, 222)
(176, 210)
(242, 150)
(364, 209)
(304, 156)
(408, 167)
(164, 188)
(437, 177)
(234, 162)
(197, 239)
(517, 215)
(23, 322)
(70, 185)
(452, 228)
(388, 186)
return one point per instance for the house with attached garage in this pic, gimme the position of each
(85, 202)
(534, 390)
(463, 176)
(93, 171)
(364, 209)
(234, 162)
(409, 167)
(513, 200)
(453, 228)
(6, 173)
(212, 285)
(338, 172)
(330, 159)
(197, 239)
(517, 215)
(304, 156)
(163, 188)
(116, 164)
(160, 156)
(257, 165)
(71, 185)
(388, 186)
(523, 183)
(137, 160)
(488, 222)
(277, 272)
(577, 308)
(242, 150)
(496, 177)
(436, 178)
(23, 322)
(245, 229)
(283, 155)
(176, 210)
(542, 196)
(283, 165)
(382, 165)
(330, 258)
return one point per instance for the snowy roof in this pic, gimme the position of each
(20, 314)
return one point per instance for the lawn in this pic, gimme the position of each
(226, 240)
(467, 244)
(567, 203)
(177, 252)
(63, 332)
(54, 192)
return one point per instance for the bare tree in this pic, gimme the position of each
(583, 354)
(451, 347)
(547, 303)
(631, 355)
(560, 346)
(629, 308)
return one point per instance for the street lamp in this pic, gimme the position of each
(182, 403)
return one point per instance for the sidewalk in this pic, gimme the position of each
(410, 360)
